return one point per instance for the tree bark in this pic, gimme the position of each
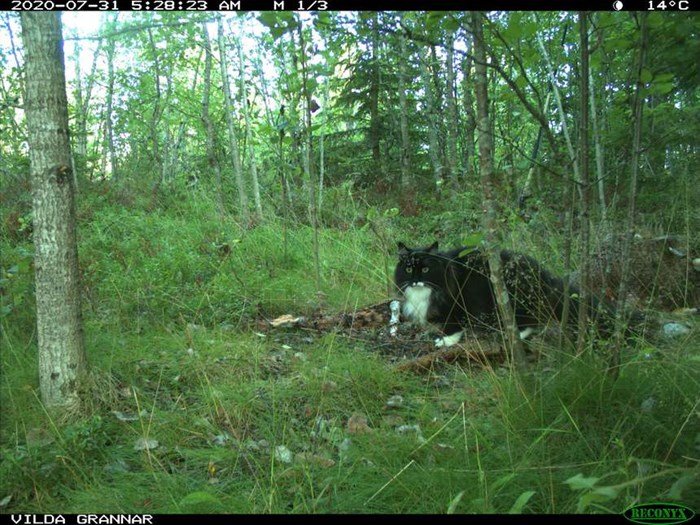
(584, 213)
(109, 129)
(249, 137)
(406, 177)
(620, 320)
(158, 108)
(507, 314)
(62, 361)
(469, 119)
(308, 155)
(431, 112)
(451, 159)
(374, 125)
(212, 159)
(233, 141)
(83, 94)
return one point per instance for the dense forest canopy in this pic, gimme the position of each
(389, 98)
(242, 181)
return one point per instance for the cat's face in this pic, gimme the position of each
(419, 267)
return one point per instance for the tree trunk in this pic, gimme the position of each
(431, 112)
(249, 138)
(374, 125)
(470, 120)
(584, 214)
(212, 159)
(157, 112)
(308, 155)
(507, 315)
(451, 158)
(233, 141)
(560, 109)
(406, 176)
(109, 129)
(600, 169)
(62, 361)
(83, 94)
(620, 320)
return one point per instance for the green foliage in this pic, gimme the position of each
(196, 408)
(201, 413)
(16, 280)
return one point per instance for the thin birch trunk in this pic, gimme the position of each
(308, 155)
(584, 213)
(109, 130)
(406, 175)
(452, 160)
(233, 140)
(212, 159)
(620, 320)
(249, 137)
(507, 315)
(430, 110)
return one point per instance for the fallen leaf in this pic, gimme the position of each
(145, 444)
(357, 424)
(307, 457)
(285, 320)
(394, 401)
(283, 454)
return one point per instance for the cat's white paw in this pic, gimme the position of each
(448, 340)
(526, 333)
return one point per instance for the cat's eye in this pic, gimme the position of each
(409, 269)
(426, 269)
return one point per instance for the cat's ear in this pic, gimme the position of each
(433, 247)
(402, 249)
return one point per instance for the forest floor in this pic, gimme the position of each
(199, 404)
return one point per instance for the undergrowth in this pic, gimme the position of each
(194, 410)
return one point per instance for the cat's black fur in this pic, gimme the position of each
(452, 291)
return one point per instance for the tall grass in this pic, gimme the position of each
(194, 409)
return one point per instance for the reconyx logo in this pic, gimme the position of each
(659, 514)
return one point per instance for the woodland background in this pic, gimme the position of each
(233, 169)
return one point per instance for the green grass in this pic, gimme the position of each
(297, 422)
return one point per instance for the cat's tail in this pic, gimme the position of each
(604, 316)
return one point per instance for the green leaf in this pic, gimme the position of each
(645, 76)
(520, 503)
(579, 482)
(502, 481)
(662, 88)
(453, 504)
(200, 502)
(268, 18)
(473, 240)
(676, 490)
(585, 501)
(607, 492)
(277, 32)
(451, 23)
(530, 29)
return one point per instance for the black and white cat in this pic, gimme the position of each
(452, 291)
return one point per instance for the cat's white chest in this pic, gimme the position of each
(416, 303)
